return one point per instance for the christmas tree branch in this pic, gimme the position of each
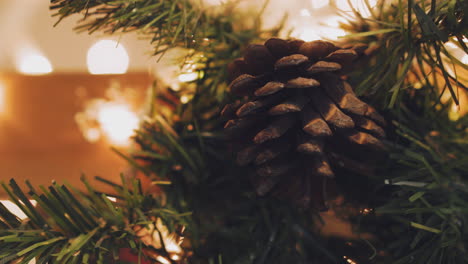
(169, 23)
(70, 226)
(407, 43)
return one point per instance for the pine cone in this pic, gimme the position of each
(297, 119)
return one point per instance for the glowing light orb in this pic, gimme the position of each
(107, 57)
(188, 77)
(15, 209)
(184, 99)
(33, 63)
(118, 122)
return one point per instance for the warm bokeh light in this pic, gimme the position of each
(454, 113)
(92, 134)
(350, 261)
(308, 34)
(188, 77)
(107, 57)
(171, 241)
(328, 28)
(117, 122)
(113, 117)
(32, 62)
(15, 209)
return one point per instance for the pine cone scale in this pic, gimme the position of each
(269, 88)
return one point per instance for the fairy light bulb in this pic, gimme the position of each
(107, 57)
(30, 61)
(117, 122)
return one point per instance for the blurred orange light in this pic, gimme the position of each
(117, 122)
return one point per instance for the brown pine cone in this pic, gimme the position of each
(296, 119)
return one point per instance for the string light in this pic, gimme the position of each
(107, 57)
(163, 260)
(366, 211)
(350, 261)
(118, 122)
(111, 118)
(30, 61)
(184, 99)
(454, 113)
(188, 77)
(162, 238)
(112, 199)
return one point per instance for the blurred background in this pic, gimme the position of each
(65, 98)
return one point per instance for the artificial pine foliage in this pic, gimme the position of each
(298, 119)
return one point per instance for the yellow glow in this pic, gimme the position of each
(32, 62)
(118, 122)
(454, 113)
(107, 57)
(319, 3)
(184, 99)
(15, 209)
(188, 77)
